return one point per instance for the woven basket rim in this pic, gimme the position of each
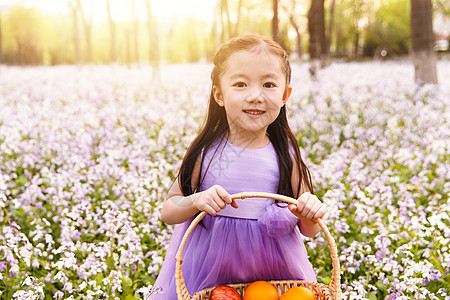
(334, 286)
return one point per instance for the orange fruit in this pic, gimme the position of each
(261, 290)
(298, 293)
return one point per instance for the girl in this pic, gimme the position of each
(245, 145)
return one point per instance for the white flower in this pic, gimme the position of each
(58, 295)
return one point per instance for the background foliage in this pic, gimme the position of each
(361, 29)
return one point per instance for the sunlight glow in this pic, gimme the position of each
(121, 10)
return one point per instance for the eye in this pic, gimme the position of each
(239, 84)
(269, 85)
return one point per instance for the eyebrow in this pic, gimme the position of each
(268, 75)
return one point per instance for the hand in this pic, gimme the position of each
(213, 200)
(309, 207)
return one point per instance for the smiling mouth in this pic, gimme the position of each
(254, 111)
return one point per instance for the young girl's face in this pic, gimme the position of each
(252, 90)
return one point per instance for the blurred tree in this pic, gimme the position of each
(362, 26)
(352, 19)
(442, 6)
(87, 25)
(316, 27)
(27, 28)
(329, 33)
(388, 31)
(291, 10)
(1, 54)
(275, 20)
(112, 33)
(359, 11)
(127, 33)
(76, 33)
(256, 17)
(135, 31)
(227, 31)
(422, 36)
(340, 29)
(178, 49)
(152, 38)
(57, 42)
(223, 24)
(236, 27)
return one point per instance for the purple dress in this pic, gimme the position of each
(257, 241)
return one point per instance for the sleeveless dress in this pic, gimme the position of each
(259, 240)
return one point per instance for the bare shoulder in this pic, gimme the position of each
(176, 190)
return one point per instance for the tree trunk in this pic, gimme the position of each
(112, 31)
(275, 21)
(299, 37)
(76, 32)
(135, 32)
(87, 25)
(316, 27)
(291, 12)
(1, 57)
(423, 55)
(236, 27)
(152, 39)
(226, 10)
(356, 43)
(128, 46)
(222, 23)
(338, 35)
(330, 31)
(323, 41)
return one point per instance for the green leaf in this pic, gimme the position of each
(21, 181)
(87, 237)
(110, 263)
(126, 286)
(381, 286)
(372, 296)
(99, 279)
(126, 281)
(20, 213)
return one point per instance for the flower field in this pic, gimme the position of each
(87, 154)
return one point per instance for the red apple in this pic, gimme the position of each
(224, 292)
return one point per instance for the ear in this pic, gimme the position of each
(218, 96)
(286, 94)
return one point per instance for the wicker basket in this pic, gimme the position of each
(322, 291)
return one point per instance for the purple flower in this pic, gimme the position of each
(2, 266)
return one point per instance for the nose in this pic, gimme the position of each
(255, 95)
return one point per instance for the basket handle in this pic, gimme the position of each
(335, 284)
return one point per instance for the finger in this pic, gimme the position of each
(305, 195)
(321, 212)
(311, 213)
(302, 201)
(214, 203)
(210, 210)
(234, 204)
(305, 208)
(219, 201)
(224, 194)
(292, 207)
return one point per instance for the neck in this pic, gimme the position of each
(250, 140)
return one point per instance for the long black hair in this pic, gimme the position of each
(216, 124)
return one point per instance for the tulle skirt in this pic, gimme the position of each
(235, 250)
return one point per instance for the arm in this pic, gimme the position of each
(309, 207)
(178, 208)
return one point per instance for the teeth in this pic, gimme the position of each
(254, 112)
